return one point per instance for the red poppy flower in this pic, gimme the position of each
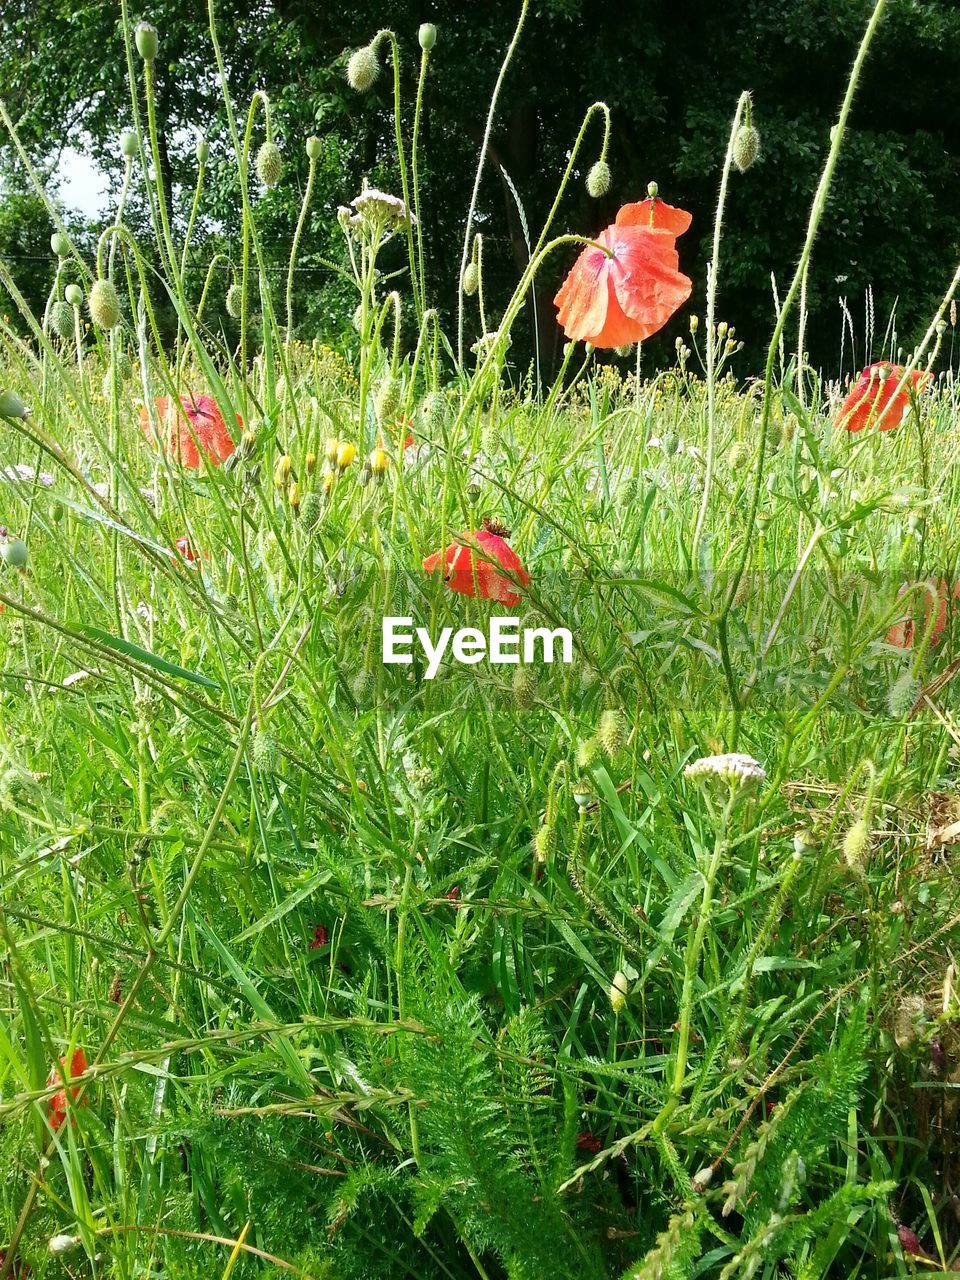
(905, 631)
(629, 292)
(874, 398)
(401, 429)
(469, 567)
(320, 938)
(57, 1104)
(186, 550)
(197, 425)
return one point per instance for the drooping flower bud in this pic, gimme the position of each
(612, 731)
(363, 69)
(60, 244)
(856, 844)
(524, 687)
(427, 35)
(264, 752)
(147, 41)
(61, 319)
(619, 990)
(543, 843)
(433, 411)
(269, 164)
(587, 752)
(598, 180)
(471, 279)
(314, 147)
(903, 694)
(74, 295)
(702, 1179)
(104, 305)
(746, 147)
(11, 405)
(387, 397)
(13, 553)
(234, 301)
(311, 509)
(331, 445)
(293, 495)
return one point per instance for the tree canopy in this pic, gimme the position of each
(671, 75)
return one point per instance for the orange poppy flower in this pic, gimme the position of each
(628, 289)
(57, 1103)
(906, 630)
(874, 397)
(469, 567)
(196, 425)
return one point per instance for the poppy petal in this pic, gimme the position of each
(656, 215)
(650, 288)
(582, 298)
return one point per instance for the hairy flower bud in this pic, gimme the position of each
(128, 144)
(269, 164)
(264, 752)
(203, 150)
(524, 687)
(427, 36)
(471, 279)
(13, 553)
(363, 69)
(74, 295)
(314, 147)
(598, 180)
(433, 411)
(856, 844)
(234, 301)
(902, 695)
(543, 843)
(11, 405)
(104, 305)
(387, 397)
(612, 731)
(61, 319)
(311, 509)
(746, 147)
(619, 990)
(60, 244)
(63, 1244)
(147, 41)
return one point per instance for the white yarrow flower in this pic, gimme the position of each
(734, 768)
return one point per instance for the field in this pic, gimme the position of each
(641, 964)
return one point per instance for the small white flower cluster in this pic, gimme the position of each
(734, 768)
(376, 209)
(22, 471)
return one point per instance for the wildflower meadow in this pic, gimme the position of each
(461, 815)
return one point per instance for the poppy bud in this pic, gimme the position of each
(739, 455)
(619, 990)
(147, 41)
(13, 553)
(363, 69)
(856, 844)
(387, 397)
(652, 190)
(104, 305)
(612, 731)
(746, 147)
(128, 143)
(264, 752)
(433, 410)
(543, 843)
(281, 472)
(234, 301)
(61, 319)
(203, 150)
(903, 694)
(471, 279)
(346, 452)
(11, 406)
(60, 244)
(670, 443)
(427, 35)
(269, 164)
(311, 509)
(74, 295)
(587, 752)
(524, 687)
(598, 180)
(314, 147)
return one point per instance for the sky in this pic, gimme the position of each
(81, 186)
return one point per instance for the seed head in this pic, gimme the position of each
(74, 295)
(61, 319)
(619, 990)
(612, 731)
(471, 279)
(427, 35)
(147, 41)
(128, 143)
(652, 190)
(363, 69)
(60, 244)
(269, 164)
(598, 180)
(746, 147)
(104, 305)
(856, 844)
(903, 694)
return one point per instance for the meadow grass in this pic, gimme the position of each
(481, 975)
